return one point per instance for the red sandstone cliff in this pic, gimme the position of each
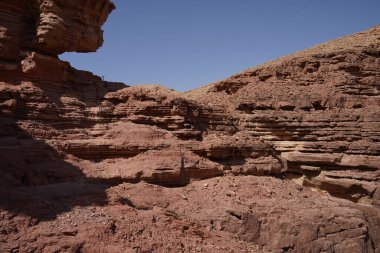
(281, 158)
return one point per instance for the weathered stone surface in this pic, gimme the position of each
(319, 108)
(71, 25)
(164, 167)
(51, 27)
(93, 166)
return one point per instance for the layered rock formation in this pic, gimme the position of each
(51, 27)
(319, 108)
(88, 165)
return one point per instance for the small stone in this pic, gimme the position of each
(231, 193)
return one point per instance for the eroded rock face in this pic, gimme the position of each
(320, 109)
(88, 165)
(66, 26)
(51, 27)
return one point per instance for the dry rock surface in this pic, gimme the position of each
(283, 157)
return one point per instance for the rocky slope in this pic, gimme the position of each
(320, 108)
(88, 165)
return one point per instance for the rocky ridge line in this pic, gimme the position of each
(319, 108)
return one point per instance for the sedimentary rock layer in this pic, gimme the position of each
(320, 108)
(50, 27)
(281, 158)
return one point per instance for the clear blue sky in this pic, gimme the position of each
(184, 44)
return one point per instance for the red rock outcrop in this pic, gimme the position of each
(321, 110)
(88, 165)
(51, 27)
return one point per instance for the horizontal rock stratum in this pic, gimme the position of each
(320, 108)
(283, 157)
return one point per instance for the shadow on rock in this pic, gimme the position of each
(35, 179)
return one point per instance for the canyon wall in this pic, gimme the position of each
(320, 108)
(283, 157)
